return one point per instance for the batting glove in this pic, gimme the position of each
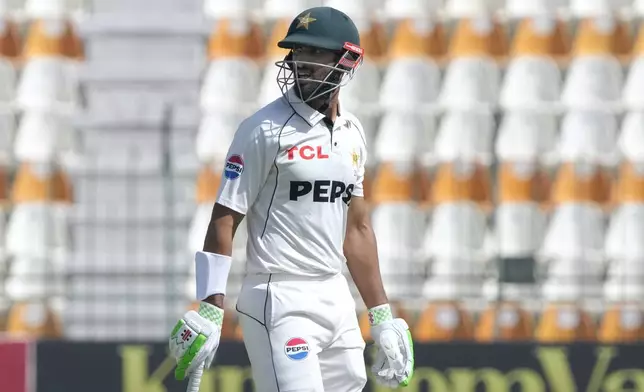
(394, 365)
(195, 339)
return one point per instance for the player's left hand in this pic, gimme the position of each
(394, 364)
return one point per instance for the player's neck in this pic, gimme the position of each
(330, 109)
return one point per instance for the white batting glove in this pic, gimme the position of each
(394, 365)
(195, 339)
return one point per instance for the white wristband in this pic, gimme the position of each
(212, 273)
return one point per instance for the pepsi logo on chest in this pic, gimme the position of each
(234, 167)
(296, 349)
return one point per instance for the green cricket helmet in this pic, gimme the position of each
(327, 29)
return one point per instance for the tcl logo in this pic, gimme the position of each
(324, 191)
(306, 152)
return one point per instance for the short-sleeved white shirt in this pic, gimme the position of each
(293, 177)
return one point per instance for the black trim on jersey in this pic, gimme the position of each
(268, 334)
(277, 171)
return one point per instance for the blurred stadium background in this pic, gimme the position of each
(506, 160)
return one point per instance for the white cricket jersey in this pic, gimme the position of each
(293, 177)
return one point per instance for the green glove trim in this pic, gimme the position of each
(406, 381)
(212, 313)
(380, 314)
(185, 361)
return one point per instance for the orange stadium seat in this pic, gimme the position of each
(415, 38)
(10, 42)
(208, 181)
(581, 182)
(629, 186)
(531, 39)
(38, 182)
(277, 34)
(565, 323)
(601, 36)
(622, 324)
(52, 38)
(236, 38)
(504, 322)
(478, 37)
(443, 322)
(4, 185)
(461, 181)
(393, 182)
(522, 182)
(34, 319)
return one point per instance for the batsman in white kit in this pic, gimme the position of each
(295, 171)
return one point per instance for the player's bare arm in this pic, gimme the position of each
(361, 252)
(219, 239)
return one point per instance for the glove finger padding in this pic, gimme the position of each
(193, 341)
(395, 359)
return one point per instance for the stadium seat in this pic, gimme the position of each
(47, 9)
(625, 278)
(47, 84)
(7, 134)
(10, 42)
(399, 229)
(215, 135)
(277, 33)
(478, 36)
(52, 38)
(603, 36)
(471, 8)
(576, 230)
(43, 138)
(465, 135)
(414, 37)
(581, 182)
(504, 322)
(35, 320)
(631, 138)
(596, 8)
(632, 96)
(404, 136)
(565, 323)
(622, 324)
(456, 277)
(593, 82)
(457, 232)
(444, 322)
(41, 182)
(522, 182)
(588, 136)
(394, 182)
(230, 85)
(217, 10)
(625, 231)
(461, 181)
(540, 35)
(361, 95)
(208, 180)
(410, 84)
(35, 230)
(234, 38)
(287, 9)
(7, 84)
(526, 136)
(629, 187)
(470, 83)
(531, 83)
(520, 229)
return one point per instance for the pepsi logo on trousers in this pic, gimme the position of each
(234, 167)
(296, 349)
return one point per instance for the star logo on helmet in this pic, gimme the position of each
(305, 20)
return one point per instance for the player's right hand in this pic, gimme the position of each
(195, 339)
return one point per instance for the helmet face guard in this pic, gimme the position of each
(338, 75)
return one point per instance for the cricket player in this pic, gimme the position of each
(295, 171)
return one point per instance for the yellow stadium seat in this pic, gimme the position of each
(522, 182)
(34, 319)
(581, 182)
(531, 40)
(277, 34)
(411, 39)
(208, 181)
(564, 323)
(393, 182)
(36, 183)
(504, 322)
(443, 322)
(621, 324)
(50, 38)
(638, 45)
(4, 185)
(236, 38)
(478, 37)
(629, 186)
(602, 36)
(10, 42)
(461, 181)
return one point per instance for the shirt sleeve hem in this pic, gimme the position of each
(232, 205)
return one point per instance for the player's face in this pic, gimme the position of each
(310, 69)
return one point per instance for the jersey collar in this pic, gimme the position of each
(312, 116)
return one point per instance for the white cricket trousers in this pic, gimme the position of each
(301, 334)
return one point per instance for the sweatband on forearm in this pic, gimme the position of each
(212, 271)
